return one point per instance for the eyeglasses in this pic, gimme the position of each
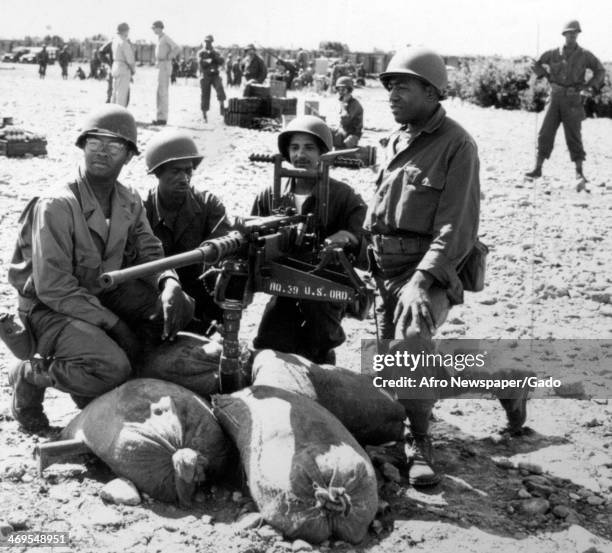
(113, 147)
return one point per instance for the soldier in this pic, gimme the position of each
(106, 57)
(43, 61)
(165, 51)
(255, 70)
(351, 116)
(422, 222)
(237, 72)
(565, 70)
(211, 63)
(64, 59)
(183, 217)
(309, 328)
(88, 338)
(229, 77)
(124, 66)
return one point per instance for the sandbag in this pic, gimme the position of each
(309, 477)
(369, 413)
(156, 434)
(191, 361)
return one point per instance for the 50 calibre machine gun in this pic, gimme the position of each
(280, 254)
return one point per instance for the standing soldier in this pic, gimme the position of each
(87, 339)
(183, 217)
(165, 51)
(43, 61)
(565, 69)
(229, 78)
(423, 222)
(124, 66)
(106, 57)
(255, 69)
(211, 63)
(351, 116)
(307, 327)
(63, 60)
(237, 72)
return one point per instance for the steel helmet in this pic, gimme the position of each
(209, 38)
(308, 124)
(572, 25)
(423, 63)
(110, 120)
(170, 145)
(345, 81)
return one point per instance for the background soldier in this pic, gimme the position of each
(183, 217)
(106, 57)
(64, 59)
(211, 63)
(43, 61)
(254, 68)
(306, 327)
(165, 51)
(423, 221)
(566, 73)
(351, 116)
(124, 66)
(88, 338)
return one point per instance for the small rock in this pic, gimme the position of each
(561, 511)
(120, 491)
(595, 500)
(530, 467)
(488, 301)
(590, 424)
(27, 478)
(574, 496)
(267, 532)
(510, 509)
(601, 297)
(523, 494)
(301, 545)
(391, 473)
(105, 516)
(250, 520)
(18, 521)
(503, 462)
(535, 506)
(237, 497)
(6, 529)
(170, 526)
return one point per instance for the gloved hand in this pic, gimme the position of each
(127, 340)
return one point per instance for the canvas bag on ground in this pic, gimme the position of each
(309, 477)
(159, 435)
(370, 414)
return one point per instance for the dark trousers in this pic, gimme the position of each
(563, 107)
(206, 82)
(308, 328)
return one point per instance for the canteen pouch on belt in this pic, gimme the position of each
(472, 269)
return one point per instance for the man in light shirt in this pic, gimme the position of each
(124, 66)
(165, 51)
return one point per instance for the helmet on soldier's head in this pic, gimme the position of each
(171, 145)
(571, 26)
(209, 38)
(110, 120)
(422, 63)
(346, 82)
(308, 124)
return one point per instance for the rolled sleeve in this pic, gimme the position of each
(54, 266)
(456, 220)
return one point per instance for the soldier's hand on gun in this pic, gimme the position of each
(414, 308)
(341, 239)
(177, 309)
(127, 340)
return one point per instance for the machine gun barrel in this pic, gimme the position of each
(209, 253)
(336, 162)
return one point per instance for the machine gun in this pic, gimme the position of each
(279, 254)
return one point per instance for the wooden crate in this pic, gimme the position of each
(19, 149)
(278, 89)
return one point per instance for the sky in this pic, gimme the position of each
(452, 27)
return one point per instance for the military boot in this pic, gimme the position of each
(222, 109)
(29, 379)
(419, 453)
(516, 406)
(205, 116)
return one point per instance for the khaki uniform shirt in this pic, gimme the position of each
(59, 260)
(123, 56)
(568, 67)
(430, 188)
(166, 49)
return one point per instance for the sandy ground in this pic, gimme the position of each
(549, 277)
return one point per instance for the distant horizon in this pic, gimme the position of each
(452, 27)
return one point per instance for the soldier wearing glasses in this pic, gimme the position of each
(86, 338)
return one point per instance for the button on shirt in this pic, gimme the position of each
(166, 48)
(431, 187)
(568, 67)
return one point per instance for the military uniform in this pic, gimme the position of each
(56, 266)
(255, 69)
(201, 216)
(351, 124)
(306, 327)
(567, 80)
(165, 51)
(124, 66)
(211, 63)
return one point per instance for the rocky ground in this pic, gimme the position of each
(549, 277)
